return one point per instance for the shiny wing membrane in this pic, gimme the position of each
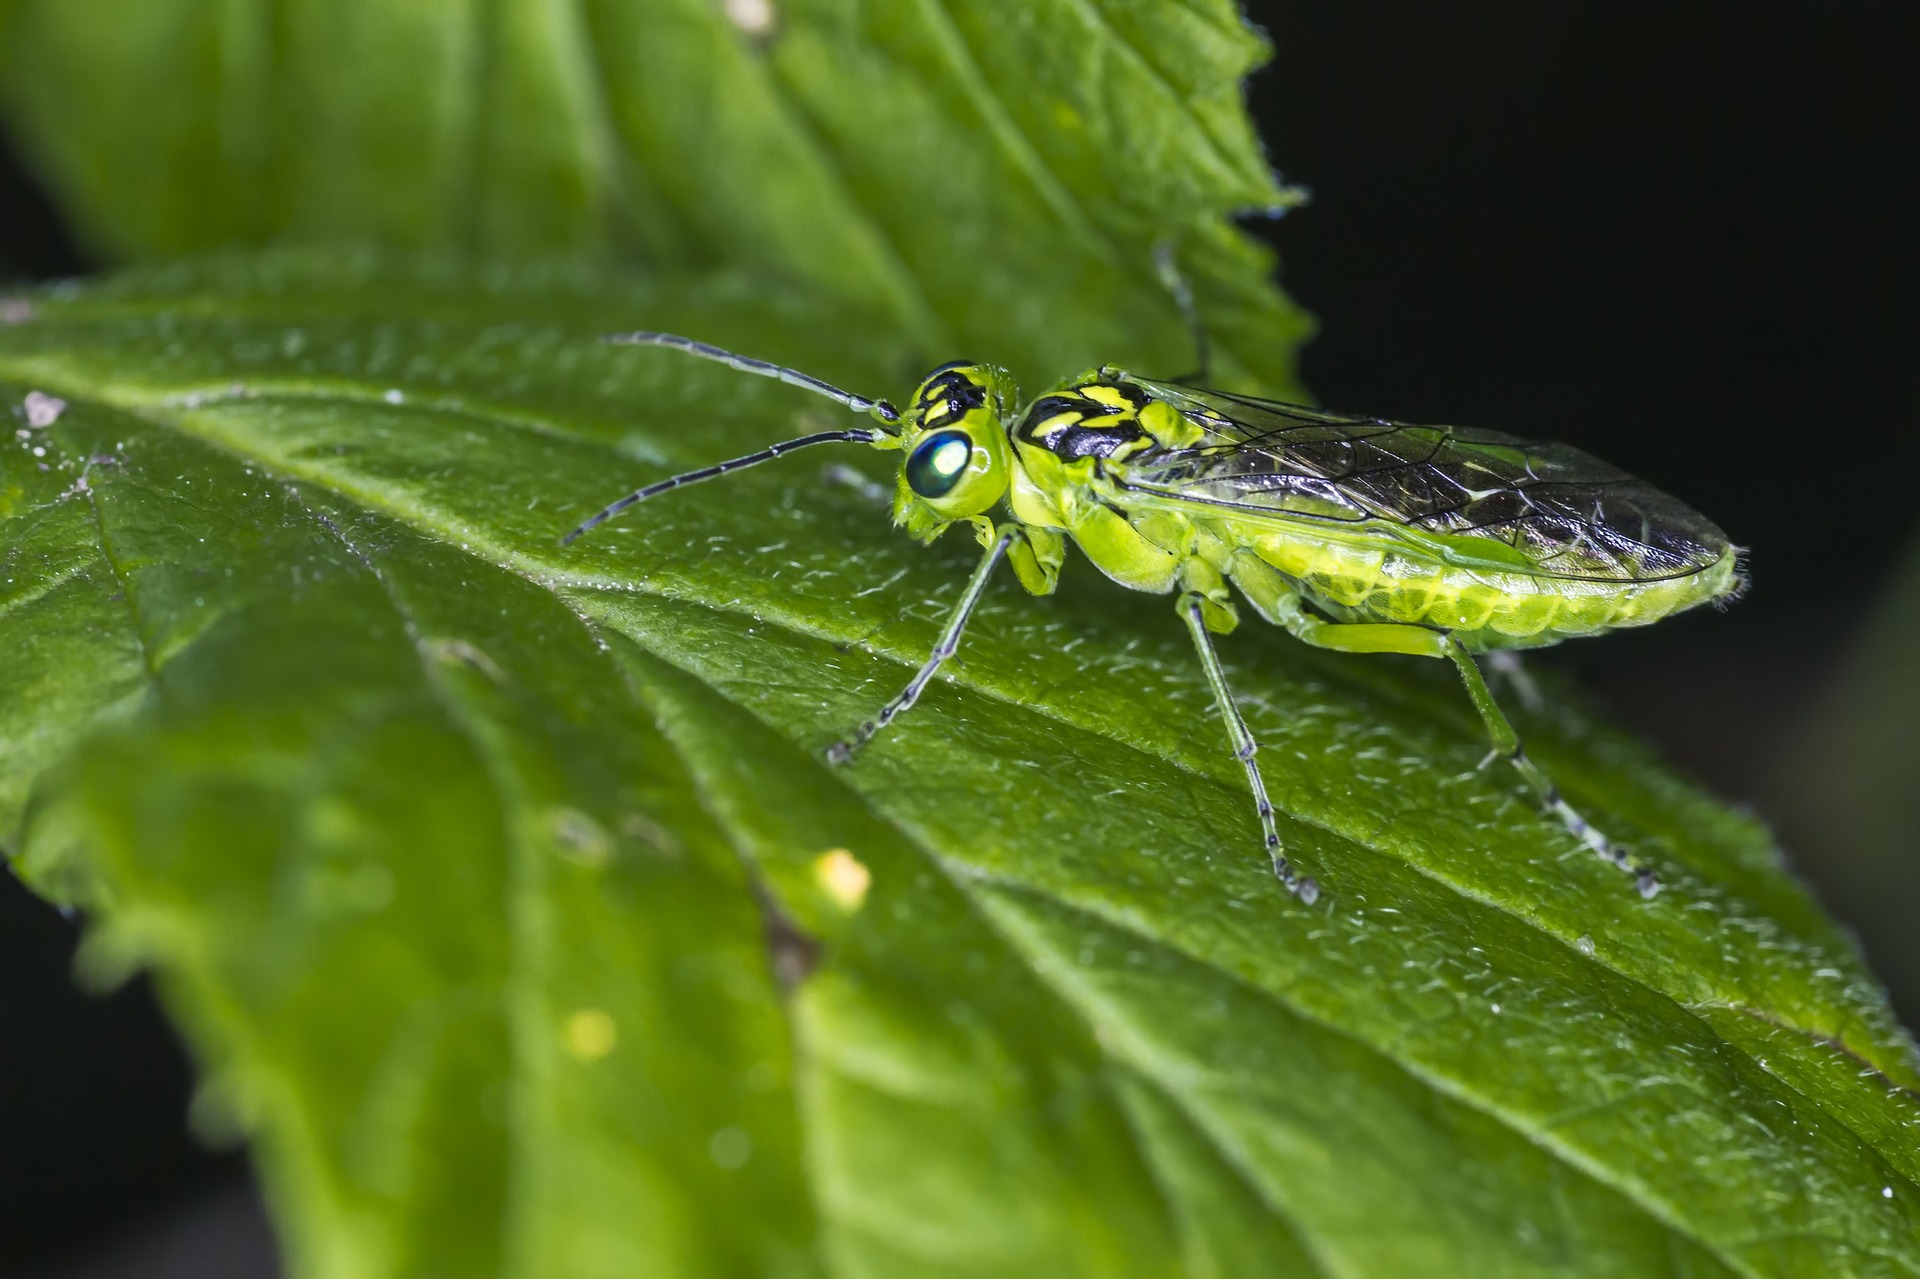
(1568, 514)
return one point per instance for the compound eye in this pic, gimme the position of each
(939, 462)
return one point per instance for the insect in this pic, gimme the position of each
(1356, 534)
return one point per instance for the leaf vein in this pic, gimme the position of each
(42, 589)
(1235, 1160)
(1439, 1083)
(147, 660)
(521, 987)
(1008, 133)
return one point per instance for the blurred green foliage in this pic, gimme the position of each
(965, 171)
(501, 888)
(1852, 782)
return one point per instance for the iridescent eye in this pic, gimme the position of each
(937, 465)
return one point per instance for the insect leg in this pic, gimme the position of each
(1507, 664)
(1192, 609)
(1506, 744)
(1175, 282)
(841, 752)
(1420, 641)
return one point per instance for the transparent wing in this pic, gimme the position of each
(1568, 514)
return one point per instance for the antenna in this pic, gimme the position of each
(721, 468)
(746, 364)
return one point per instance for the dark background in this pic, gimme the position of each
(1679, 236)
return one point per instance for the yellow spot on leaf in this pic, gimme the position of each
(591, 1034)
(843, 877)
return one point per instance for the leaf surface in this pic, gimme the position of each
(487, 875)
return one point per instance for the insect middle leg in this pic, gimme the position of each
(1419, 641)
(948, 645)
(1193, 612)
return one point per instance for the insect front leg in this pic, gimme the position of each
(1037, 556)
(948, 645)
(1196, 609)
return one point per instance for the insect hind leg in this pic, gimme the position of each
(1193, 610)
(1508, 665)
(1507, 745)
(1280, 604)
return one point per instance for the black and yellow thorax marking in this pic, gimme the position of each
(1111, 418)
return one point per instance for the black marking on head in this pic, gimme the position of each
(949, 393)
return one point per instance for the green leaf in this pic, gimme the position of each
(963, 169)
(486, 875)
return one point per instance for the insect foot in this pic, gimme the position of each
(1644, 878)
(842, 752)
(1305, 887)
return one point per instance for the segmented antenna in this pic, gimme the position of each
(746, 364)
(767, 454)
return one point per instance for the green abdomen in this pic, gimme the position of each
(1364, 579)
